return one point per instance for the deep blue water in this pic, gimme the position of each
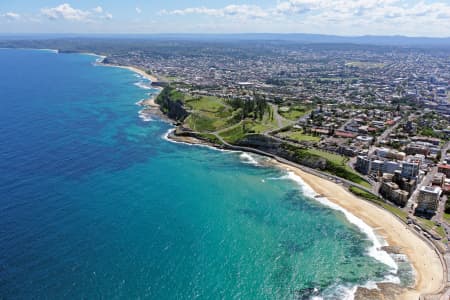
(94, 203)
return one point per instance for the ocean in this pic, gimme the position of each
(96, 203)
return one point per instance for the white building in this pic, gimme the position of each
(428, 200)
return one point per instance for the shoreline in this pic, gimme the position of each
(428, 269)
(136, 70)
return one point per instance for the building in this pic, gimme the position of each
(400, 197)
(405, 184)
(428, 200)
(410, 170)
(391, 166)
(377, 166)
(363, 165)
(444, 169)
(446, 187)
(425, 139)
(438, 179)
(416, 148)
(392, 192)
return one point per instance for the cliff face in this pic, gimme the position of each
(171, 105)
(286, 151)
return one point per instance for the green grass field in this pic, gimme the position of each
(299, 136)
(260, 126)
(207, 103)
(431, 225)
(335, 158)
(294, 113)
(208, 114)
(233, 134)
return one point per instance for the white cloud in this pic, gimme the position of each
(98, 9)
(244, 11)
(11, 16)
(67, 12)
(138, 10)
(339, 16)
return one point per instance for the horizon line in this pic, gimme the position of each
(225, 34)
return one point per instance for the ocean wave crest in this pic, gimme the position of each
(247, 158)
(377, 243)
(143, 85)
(145, 116)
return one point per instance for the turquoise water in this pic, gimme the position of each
(95, 203)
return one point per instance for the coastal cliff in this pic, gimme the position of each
(171, 105)
(284, 150)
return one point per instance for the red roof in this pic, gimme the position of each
(345, 134)
(390, 122)
(444, 166)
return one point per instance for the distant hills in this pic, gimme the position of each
(291, 37)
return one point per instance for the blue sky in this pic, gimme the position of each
(341, 17)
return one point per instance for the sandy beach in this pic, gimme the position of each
(141, 72)
(429, 272)
(144, 74)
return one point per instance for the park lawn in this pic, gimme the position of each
(373, 198)
(294, 113)
(233, 134)
(335, 158)
(441, 231)
(431, 225)
(206, 103)
(201, 122)
(209, 114)
(299, 136)
(260, 126)
(428, 224)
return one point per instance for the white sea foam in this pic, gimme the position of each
(375, 250)
(143, 85)
(247, 158)
(338, 292)
(56, 51)
(145, 116)
(165, 136)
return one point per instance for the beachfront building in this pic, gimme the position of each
(410, 170)
(392, 192)
(377, 167)
(391, 166)
(428, 200)
(363, 164)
